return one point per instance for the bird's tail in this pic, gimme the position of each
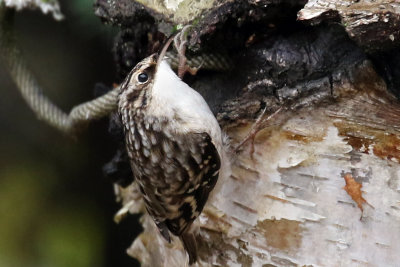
(189, 242)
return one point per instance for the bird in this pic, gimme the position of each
(174, 144)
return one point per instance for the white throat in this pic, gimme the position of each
(171, 97)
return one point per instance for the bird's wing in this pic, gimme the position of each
(202, 163)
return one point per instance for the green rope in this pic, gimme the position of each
(24, 79)
(81, 114)
(209, 61)
(32, 92)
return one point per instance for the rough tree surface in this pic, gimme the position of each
(322, 187)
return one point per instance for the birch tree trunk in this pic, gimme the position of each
(322, 186)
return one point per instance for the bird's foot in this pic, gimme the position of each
(180, 42)
(257, 126)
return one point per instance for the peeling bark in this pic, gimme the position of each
(374, 25)
(286, 204)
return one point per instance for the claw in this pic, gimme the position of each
(184, 32)
(257, 126)
(180, 41)
(194, 70)
(176, 42)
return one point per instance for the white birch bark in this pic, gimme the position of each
(286, 206)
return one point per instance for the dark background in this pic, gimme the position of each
(56, 206)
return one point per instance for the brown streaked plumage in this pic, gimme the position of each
(174, 144)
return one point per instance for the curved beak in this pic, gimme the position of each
(163, 51)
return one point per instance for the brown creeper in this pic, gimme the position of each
(174, 144)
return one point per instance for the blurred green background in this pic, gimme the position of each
(56, 207)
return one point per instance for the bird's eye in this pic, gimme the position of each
(143, 77)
